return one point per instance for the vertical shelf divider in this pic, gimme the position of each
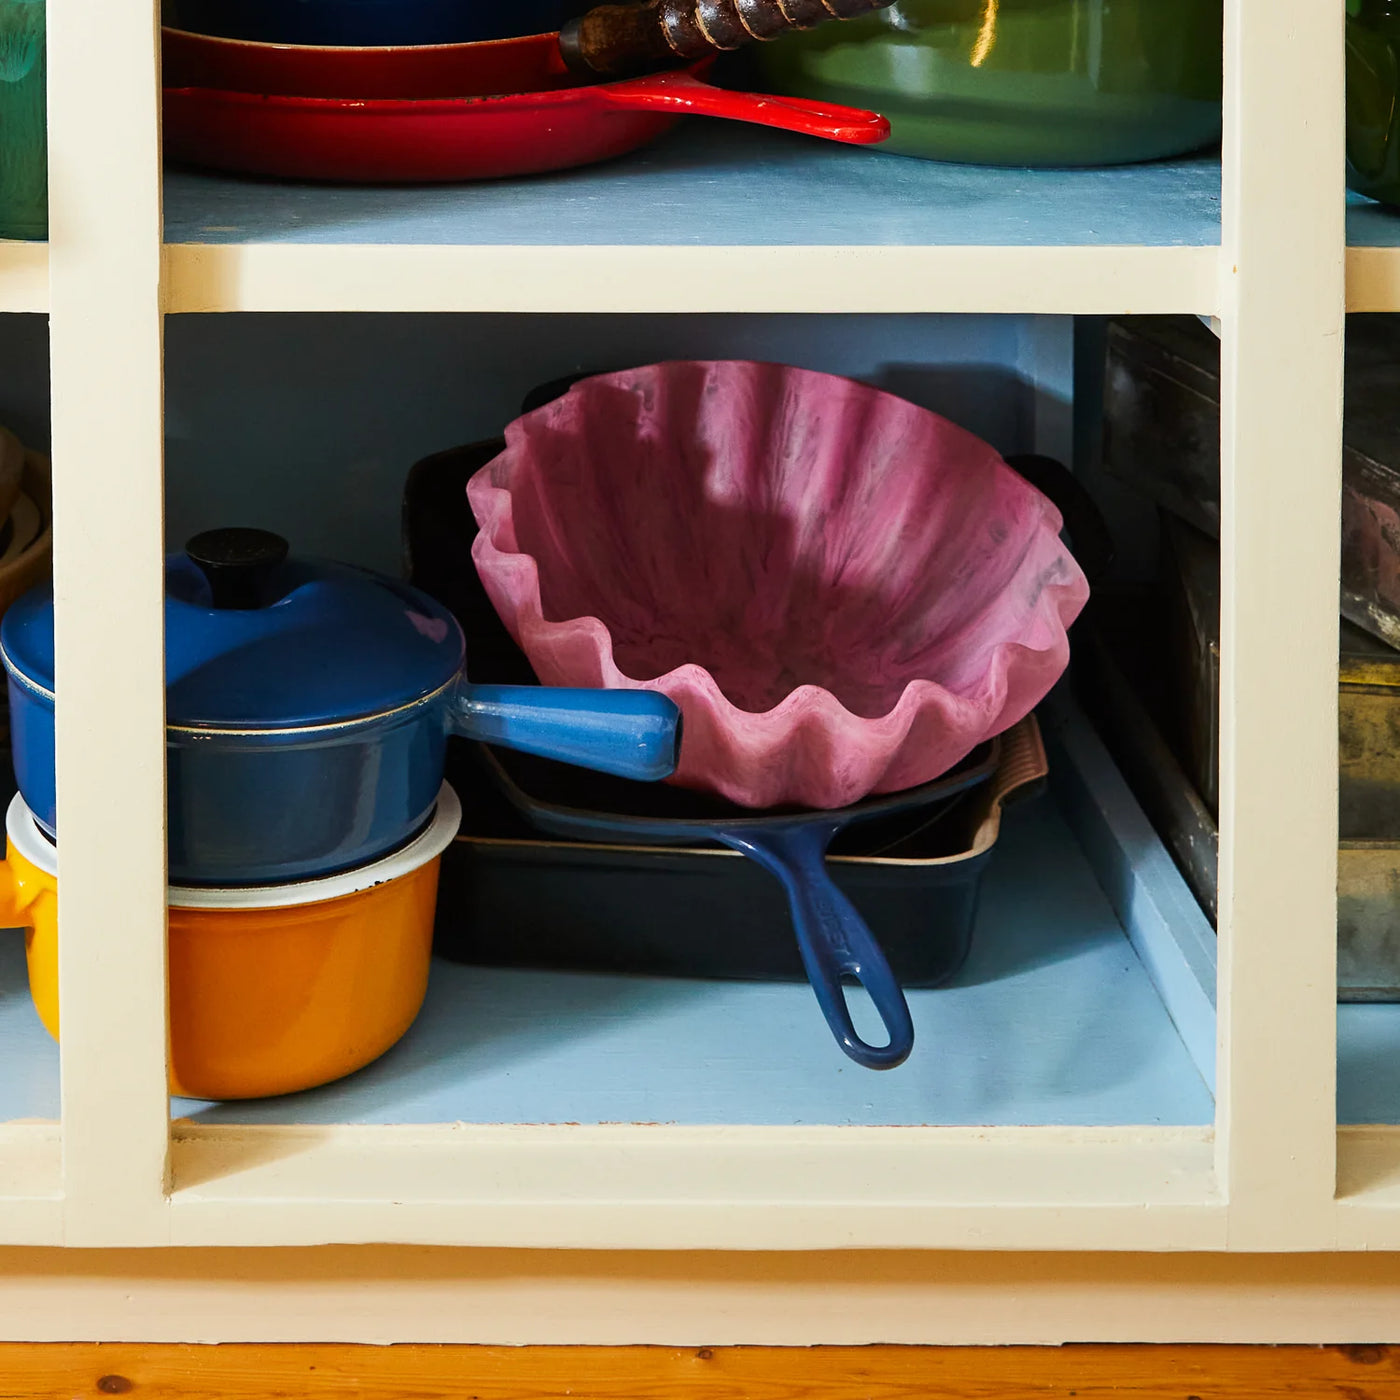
(106, 364)
(1282, 298)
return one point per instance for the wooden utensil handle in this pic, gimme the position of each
(619, 41)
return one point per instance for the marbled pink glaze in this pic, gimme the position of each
(845, 594)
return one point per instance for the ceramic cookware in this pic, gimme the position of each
(308, 710)
(832, 937)
(271, 990)
(1023, 82)
(536, 126)
(844, 593)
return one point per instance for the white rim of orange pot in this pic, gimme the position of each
(427, 846)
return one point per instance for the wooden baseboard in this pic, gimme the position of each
(648, 1373)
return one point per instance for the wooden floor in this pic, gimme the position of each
(861, 1373)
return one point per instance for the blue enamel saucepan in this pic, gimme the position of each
(832, 937)
(308, 706)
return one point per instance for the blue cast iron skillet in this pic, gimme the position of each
(791, 845)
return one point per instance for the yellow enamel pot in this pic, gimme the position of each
(274, 989)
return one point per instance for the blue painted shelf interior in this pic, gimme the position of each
(1053, 1020)
(1368, 1063)
(1371, 225)
(720, 184)
(29, 1081)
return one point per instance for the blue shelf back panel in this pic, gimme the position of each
(715, 183)
(1368, 1063)
(1052, 1021)
(308, 424)
(29, 1081)
(1371, 225)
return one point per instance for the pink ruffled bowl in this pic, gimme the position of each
(844, 593)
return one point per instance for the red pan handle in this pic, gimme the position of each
(686, 95)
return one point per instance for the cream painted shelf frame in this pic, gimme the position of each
(24, 277)
(1263, 1180)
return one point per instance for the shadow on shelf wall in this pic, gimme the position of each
(308, 425)
(24, 378)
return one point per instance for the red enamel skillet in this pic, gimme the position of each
(439, 113)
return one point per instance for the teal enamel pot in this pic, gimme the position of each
(1021, 82)
(308, 707)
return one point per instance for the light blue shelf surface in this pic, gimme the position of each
(719, 184)
(1371, 225)
(1053, 1020)
(28, 1056)
(1368, 1063)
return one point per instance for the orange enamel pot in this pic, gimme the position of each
(272, 990)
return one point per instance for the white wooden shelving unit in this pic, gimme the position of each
(760, 1227)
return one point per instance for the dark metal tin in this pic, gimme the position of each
(1162, 435)
(1136, 701)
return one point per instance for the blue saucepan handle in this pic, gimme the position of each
(831, 935)
(631, 733)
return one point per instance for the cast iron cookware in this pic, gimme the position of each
(539, 123)
(487, 110)
(833, 938)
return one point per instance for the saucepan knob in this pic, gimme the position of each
(240, 565)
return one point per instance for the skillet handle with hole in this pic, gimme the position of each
(831, 935)
(616, 41)
(688, 96)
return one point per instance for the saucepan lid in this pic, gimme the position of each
(258, 638)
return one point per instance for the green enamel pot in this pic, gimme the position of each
(1021, 82)
(1373, 98)
(24, 180)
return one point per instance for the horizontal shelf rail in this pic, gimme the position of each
(24, 277)
(202, 277)
(658, 1187)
